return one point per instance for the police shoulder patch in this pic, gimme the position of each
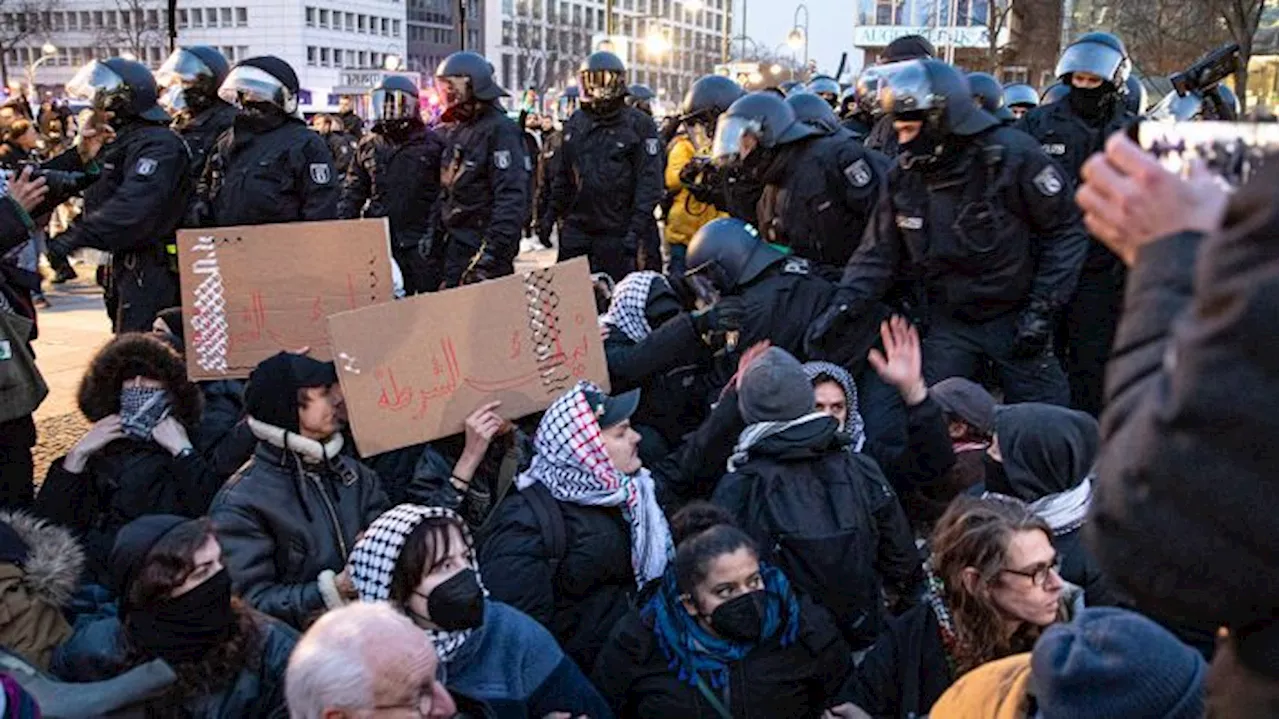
(145, 167)
(1047, 181)
(321, 173)
(502, 159)
(795, 266)
(651, 145)
(858, 173)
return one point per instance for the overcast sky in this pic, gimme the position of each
(830, 27)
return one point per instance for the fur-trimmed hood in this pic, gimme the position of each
(138, 354)
(53, 567)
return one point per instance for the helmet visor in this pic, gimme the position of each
(250, 84)
(393, 105)
(602, 84)
(905, 87)
(181, 67)
(173, 99)
(729, 133)
(96, 83)
(1093, 58)
(454, 90)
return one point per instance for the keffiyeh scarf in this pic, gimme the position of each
(373, 561)
(572, 463)
(853, 426)
(630, 300)
(758, 432)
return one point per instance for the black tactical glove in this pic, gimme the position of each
(544, 235)
(724, 316)
(689, 173)
(1033, 335)
(57, 249)
(836, 314)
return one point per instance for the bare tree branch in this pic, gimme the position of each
(20, 21)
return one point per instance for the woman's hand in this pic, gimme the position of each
(171, 435)
(481, 427)
(103, 432)
(900, 364)
(28, 193)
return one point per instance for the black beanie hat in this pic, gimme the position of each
(908, 47)
(272, 394)
(277, 68)
(172, 317)
(134, 542)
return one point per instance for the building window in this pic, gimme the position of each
(242, 17)
(309, 14)
(324, 57)
(395, 28)
(350, 21)
(324, 18)
(362, 59)
(386, 26)
(311, 54)
(360, 23)
(210, 17)
(225, 16)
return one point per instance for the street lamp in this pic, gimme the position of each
(392, 63)
(47, 51)
(800, 36)
(776, 69)
(656, 44)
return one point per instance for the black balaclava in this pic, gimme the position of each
(1094, 104)
(662, 304)
(398, 130)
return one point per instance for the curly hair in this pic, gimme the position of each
(137, 354)
(974, 534)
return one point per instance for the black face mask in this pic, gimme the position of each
(259, 117)
(185, 628)
(996, 479)
(923, 148)
(458, 603)
(740, 619)
(1090, 103)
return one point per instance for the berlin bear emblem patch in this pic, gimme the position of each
(1048, 182)
(502, 159)
(858, 174)
(651, 145)
(146, 166)
(320, 173)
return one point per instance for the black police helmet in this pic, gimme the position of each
(938, 91)
(464, 76)
(789, 87)
(213, 59)
(730, 253)
(986, 91)
(1135, 98)
(124, 87)
(1021, 94)
(710, 96)
(908, 47)
(395, 98)
(769, 118)
(1055, 92)
(814, 111)
(602, 77)
(641, 93)
(1096, 53)
(264, 79)
(826, 88)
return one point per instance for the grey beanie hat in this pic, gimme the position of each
(775, 389)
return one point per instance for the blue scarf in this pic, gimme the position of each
(692, 650)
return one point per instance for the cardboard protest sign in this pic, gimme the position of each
(249, 292)
(412, 370)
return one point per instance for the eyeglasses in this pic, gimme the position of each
(1038, 575)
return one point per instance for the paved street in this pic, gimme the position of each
(71, 332)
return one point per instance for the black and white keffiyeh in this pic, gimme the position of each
(373, 561)
(572, 463)
(853, 425)
(627, 309)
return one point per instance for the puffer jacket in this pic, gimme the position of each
(34, 592)
(289, 515)
(99, 650)
(687, 214)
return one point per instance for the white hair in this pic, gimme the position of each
(328, 668)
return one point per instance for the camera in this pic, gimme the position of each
(61, 183)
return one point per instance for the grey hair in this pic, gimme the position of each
(327, 669)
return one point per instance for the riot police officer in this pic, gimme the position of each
(191, 77)
(883, 137)
(607, 178)
(989, 95)
(819, 190)
(396, 174)
(862, 106)
(134, 208)
(269, 168)
(1020, 98)
(825, 88)
(641, 97)
(1094, 69)
(986, 225)
(484, 173)
(813, 111)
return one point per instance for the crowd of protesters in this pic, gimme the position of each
(783, 507)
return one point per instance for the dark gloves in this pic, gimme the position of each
(726, 315)
(1033, 335)
(689, 173)
(836, 314)
(544, 235)
(58, 248)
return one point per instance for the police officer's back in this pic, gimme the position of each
(190, 79)
(396, 174)
(820, 183)
(134, 208)
(607, 179)
(269, 167)
(986, 225)
(484, 173)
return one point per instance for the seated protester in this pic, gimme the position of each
(721, 634)
(422, 561)
(823, 515)
(137, 458)
(471, 472)
(1106, 664)
(40, 565)
(288, 518)
(586, 526)
(925, 455)
(650, 344)
(223, 437)
(176, 605)
(1043, 455)
(994, 586)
